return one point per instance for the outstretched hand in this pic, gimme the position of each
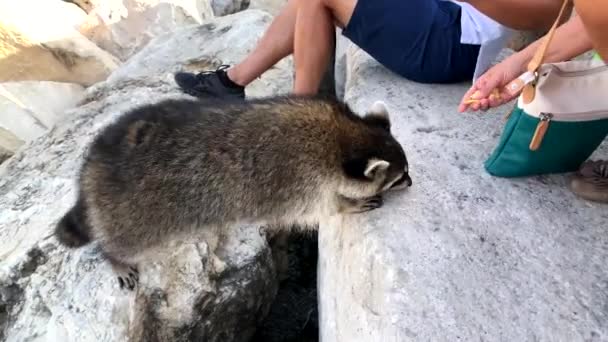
(490, 89)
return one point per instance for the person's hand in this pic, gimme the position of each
(490, 89)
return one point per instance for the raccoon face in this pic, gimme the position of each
(402, 182)
(381, 160)
(397, 169)
(386, 175)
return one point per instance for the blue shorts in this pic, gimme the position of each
(417, 39)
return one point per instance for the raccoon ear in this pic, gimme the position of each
(375, 167)
(378, 114)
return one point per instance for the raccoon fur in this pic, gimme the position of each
(185, 166)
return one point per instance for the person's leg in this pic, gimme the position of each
(276, 44)
(311, 40)
(414, 38)
(314, 44)
(314, 40)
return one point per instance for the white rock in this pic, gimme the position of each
(123, 27)
(460, 256)
(9, 143)
(32, 107)
(71, 14)
(38, 42)
(271, 6)
(342, 44)
(226, 7)
(48, 293)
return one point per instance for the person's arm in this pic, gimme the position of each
(520, 14)
(594, 15)
(569, 41)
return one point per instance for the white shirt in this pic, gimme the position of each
(479, 29)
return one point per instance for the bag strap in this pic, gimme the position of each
(539, 56)
(529, 91)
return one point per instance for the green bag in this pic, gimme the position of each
(565, 145)
(559, 120)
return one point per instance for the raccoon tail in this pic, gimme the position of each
(73, 230)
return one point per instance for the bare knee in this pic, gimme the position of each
(333, 7)
(341, 10)
(311, 3)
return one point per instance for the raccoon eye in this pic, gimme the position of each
(399, 181)
(403, 178)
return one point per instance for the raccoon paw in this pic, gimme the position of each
(371, 203)
(360, 205)
(129, 278)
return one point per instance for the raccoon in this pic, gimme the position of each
(186, 166)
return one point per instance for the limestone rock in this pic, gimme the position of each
(342, 44)
(9, 143)
(48, 293)
(38, 42)
(71, 14)
(226, 7)
(85, 5)
(271, 6)
(461, 255)
(123, 27)
(522, 39)
(5, 153)
(30, 107)
(225, 40)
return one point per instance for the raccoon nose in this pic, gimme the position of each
(408, 180)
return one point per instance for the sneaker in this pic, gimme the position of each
(209, 84)
(591, 181)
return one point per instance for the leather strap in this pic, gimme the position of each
(529, 91)
(539, 56)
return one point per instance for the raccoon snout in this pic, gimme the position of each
(404, 182)
(407, 179)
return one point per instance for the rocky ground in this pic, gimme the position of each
(460, 256)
